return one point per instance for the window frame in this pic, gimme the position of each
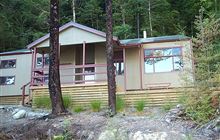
(43, 61)
(172, 56)
(9, 60)
(120, 61)
(8, 84)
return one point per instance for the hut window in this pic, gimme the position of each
(118, 62)
(163, 60)
(4, 64)
(7, 80)
(40, 61)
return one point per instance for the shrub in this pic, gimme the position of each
(96, 105)
(42, 102)
(45, 102)
(167, 106)
(78, 109)
(140, 105)
(200, 110)
(120, 103)
(67, 101)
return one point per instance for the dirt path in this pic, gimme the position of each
(152, 124)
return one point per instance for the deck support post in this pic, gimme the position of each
(33, 65)
(84, 59)
(125, 77)
(140, 66)
(43, 63)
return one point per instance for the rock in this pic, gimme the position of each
(91, 136)
(152, 136)
(2, 107)
(107, 135)
(180, 106)
(138, 136)
(156, 136)
(20, 114)
(35, 114)
(15, 111)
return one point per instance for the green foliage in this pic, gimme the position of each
(42, 102)
(200, 110)
(206, 55)
(167, 106)
(78, 109)
(26, 20)
(96, 105)
(67, 101)
(58, 137)
(45, 102)
(140, 105)
(120, 104)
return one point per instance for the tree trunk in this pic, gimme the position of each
(110, 64)
(54, 74)
(149, 15)
(74, 11)
(138, 25)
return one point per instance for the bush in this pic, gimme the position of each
(78, 109)
(140, 105)
(67, 101)
(45, 102)
(200, 110)
(96, 106)
(120, 103)
(167, 106)
(42, 102)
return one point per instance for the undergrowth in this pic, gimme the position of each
(96, 105)
(120, 104)
(139, 105)
(45, 102)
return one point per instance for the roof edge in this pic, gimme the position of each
(66, 26)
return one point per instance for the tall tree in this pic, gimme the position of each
(54, 74)
(110, 64)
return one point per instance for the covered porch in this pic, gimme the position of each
(79, 64)
(82, 57)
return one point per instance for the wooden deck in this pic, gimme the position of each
(10, 100)
(83, 95)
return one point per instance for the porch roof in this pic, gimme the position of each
(66, 26)
(139, 41)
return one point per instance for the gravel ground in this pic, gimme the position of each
(129, 125)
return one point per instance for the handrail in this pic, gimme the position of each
(23, 92)
(41, 74)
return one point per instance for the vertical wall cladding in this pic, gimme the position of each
(133, 68)
(174, 78)
(67, 57)
(22, 73)
(100, 58)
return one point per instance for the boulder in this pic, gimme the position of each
(107, 135)
(20, 114)
(151, 136)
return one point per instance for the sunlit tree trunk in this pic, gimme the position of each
(110, 64)
(149, 15)
(74, 11)
(54, 74)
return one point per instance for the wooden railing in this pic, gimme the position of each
(23, 88)
(71, 74)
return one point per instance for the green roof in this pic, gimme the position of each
(16, 52)
(138, 41)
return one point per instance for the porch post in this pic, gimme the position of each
(125, 77)
(84, 59)
(140, 65)
(33, 65)
(43, 63)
